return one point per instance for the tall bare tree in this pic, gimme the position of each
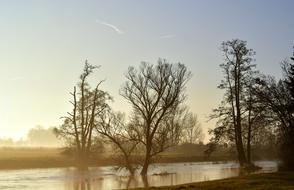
(78, 126)
(236, 68)
(155, 92)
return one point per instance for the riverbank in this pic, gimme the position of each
(265, 181)
(34, 157)
(25, 158)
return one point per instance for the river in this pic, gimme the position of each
(107, 178)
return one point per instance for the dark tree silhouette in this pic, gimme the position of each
(288, 69)
(276, 97)
(237, 69)
(155, 92)
(78, 126)
(290, 79)
(255, 115)
(288, 140)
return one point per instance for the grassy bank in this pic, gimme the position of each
(33, 157)
(21, 158)
(270, 181)
(25, 158)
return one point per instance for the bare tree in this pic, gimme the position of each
(237, 68)
(78, 125)
(119, 134)
(192, 131)
(255, 115)
(277, 98)
(155, 92)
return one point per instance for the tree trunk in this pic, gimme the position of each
(241, 153)
(147, 160)
(145, 181)
(240, 148)
(249, 146)
(129, 166)
(145, 166)
(249, 138)
(82, 160)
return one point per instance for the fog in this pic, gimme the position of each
(38, 136)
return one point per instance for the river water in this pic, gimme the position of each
(107, 178)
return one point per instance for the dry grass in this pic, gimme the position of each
(271, 181)
(20, 158)
(10, 153)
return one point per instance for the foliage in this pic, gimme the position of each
(270, 181)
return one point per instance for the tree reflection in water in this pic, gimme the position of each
(85, 180)
(145, 180)
(131, 182)
(82, 180)
(162, 175)
(82, 184)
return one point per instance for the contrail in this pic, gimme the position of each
(16, 78)
(167, 36)
(116, 29)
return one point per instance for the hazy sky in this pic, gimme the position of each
(43, 45)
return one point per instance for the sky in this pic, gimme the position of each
(44, 44)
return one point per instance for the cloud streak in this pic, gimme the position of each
(111, 26)
(167, 36)
(16, 78)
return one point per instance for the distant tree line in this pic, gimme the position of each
(43, 137)
(36, 137)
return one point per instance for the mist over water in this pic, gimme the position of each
(170, 92)
(106, 178)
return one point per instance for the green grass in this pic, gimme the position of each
(270, 181)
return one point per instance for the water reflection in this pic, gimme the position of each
(145, 180)
(82, 180)
(82, 185)
(106, 178)
(128, 182)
